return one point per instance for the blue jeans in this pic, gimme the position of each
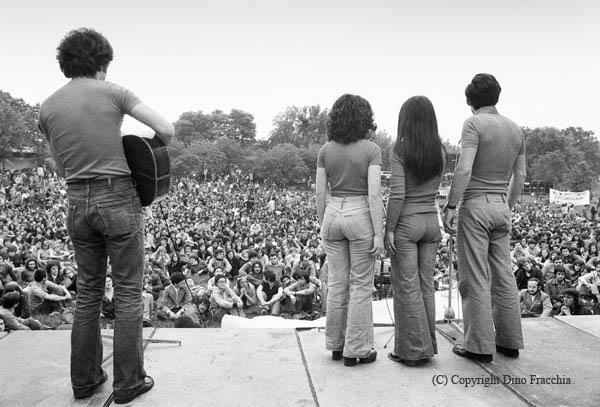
(486, 283)
(416, 239)
(104, 221)
(347, 233)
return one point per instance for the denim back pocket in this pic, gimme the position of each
(358, 224)
(119, 217)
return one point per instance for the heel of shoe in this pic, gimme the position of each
(336, 355)
(372, 357)
(349, 361)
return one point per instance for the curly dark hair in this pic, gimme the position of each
(484, 90)
(350, 119)
(83, 53)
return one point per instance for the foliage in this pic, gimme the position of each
(18, 127)
(283, 165)
(196, 126)
(569, 159)
(386, 144)
(301, 127)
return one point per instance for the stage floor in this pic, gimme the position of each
(289, 367)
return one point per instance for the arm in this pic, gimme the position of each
(163, 129)
(462, 177)
(220, 301)
(321, 192)
(517, 180)
(395, 202)
(547, 304)
(277, 296)
(57, 288)
(210, 267)
(227, 266)
(376, 207)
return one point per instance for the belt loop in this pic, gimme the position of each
(487, 198)
(110, 184)
(342, 205)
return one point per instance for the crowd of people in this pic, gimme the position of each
(261, 238)
(236, 246)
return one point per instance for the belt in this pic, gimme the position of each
(98, 181)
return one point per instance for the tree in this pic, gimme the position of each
(283, 165)
(18, 127)
(385, 143)
(300, 127)
(194, 126)
(569, 159)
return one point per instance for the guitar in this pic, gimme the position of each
(150, 167)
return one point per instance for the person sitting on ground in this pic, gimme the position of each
(22, 309)
(70, 280)
(525, 271)
(589, 282)
(254, 270)
(219, 261)
(108, 301)
(176, 301)
(247, 293)
(148, 302)
(54, 272)
(224, 301)
(275, 266)
(8, 303)
(534, 302)
(269, 294)
(555, 288)
(41, 301)
(300, 294)
(572, 305)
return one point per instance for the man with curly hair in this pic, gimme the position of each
(82, 124)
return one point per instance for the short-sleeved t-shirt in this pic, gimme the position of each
(347, 166)
(82, 122)
(499, 141)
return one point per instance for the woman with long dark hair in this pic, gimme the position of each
(350, 214)
(412, 231)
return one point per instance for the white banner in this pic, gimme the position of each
(575, 198)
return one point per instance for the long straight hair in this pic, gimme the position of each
(418, 143)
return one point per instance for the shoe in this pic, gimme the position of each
(511, 353)
(263, 312)
(411, 363)
(370, 358)
(87, 392)
(336, 355)
(480, 357)
(142, 388)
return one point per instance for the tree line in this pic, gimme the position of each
(220, 143)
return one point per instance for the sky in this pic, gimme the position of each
(262, 56)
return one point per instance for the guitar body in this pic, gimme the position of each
(150, 167)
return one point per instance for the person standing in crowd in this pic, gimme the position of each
(492, 147)
(412, 232)
(82, 124)
(350, 211)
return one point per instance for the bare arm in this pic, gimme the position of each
(376, 207)
(162, 127)
(517, 180)
(321, 192)
(462, 176)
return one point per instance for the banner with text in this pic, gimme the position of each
(575, 198)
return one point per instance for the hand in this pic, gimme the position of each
(450, 220)
(377, 249)
(389, 243)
